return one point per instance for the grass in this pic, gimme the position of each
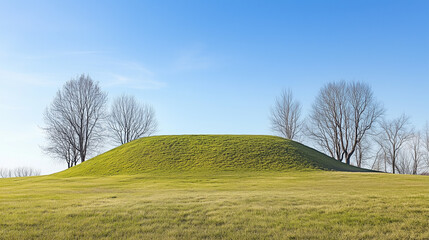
(209, 153)
(221, 205)
(214, 187)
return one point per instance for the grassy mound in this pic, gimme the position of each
(207, 153)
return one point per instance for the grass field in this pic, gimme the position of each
(222, 205)
(214, 187)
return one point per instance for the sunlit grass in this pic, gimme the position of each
(221, 205)
(207, 152)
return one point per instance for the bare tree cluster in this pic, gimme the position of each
(342, 116)
(130, 120)
(346, 122)
(77, 121)
(286, 116)
(391, 139)
(18, 172)
(402, 149)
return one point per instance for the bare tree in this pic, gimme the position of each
(363, 152)
(5, 173)
(403, 164)
(409, 158)
(19, 172)
(130, 120)
(416, 152)
(26, 172)
(61, 139)
(286, 116)
(342, 115)
(74, 120)
(394, 134)
(426, 143)
(380, 160)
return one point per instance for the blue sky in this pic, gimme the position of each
(205, 66)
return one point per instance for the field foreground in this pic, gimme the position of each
(224, 205)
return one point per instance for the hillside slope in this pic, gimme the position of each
(208, 153)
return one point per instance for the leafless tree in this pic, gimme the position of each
(403, 164)
(416, 152)
(363, 152)
(409, 159)
(394, 134)
(26, 172)
(286, 116)
(130, 120)
(380, 160)
(74, 120)
(426, 143)
(342, 115)
(5, 173)
(19, 172)
(61, 140)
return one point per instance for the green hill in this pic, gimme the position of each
(208, 153)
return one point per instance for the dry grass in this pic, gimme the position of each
(223, 205)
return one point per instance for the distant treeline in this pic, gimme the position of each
(18, 172)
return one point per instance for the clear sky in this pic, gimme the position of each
(205, 66)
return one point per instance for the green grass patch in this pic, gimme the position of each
(217, 205)
(214, 187)
(209, 153)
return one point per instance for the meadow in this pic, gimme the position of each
(310, 204)
(214, 187)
